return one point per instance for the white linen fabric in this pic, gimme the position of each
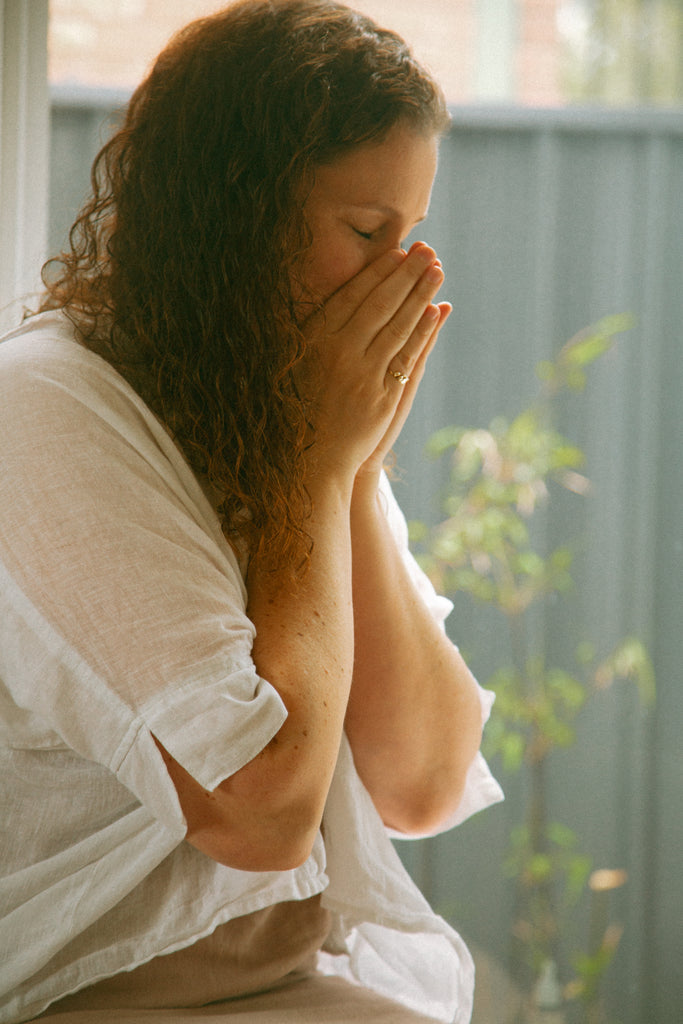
(122, 616)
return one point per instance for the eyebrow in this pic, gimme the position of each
(387, 211)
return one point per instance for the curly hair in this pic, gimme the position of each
(182, 264)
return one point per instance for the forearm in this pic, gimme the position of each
(414, 717)
(304, 648)
(265, 816)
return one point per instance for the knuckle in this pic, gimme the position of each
(397, 331)
(382, 307)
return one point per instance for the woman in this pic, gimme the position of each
(225, 680)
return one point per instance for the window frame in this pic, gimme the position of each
(24, 151)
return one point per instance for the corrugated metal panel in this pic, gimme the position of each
(81, 121)
(545, 222)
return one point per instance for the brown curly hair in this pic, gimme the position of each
(182, 265)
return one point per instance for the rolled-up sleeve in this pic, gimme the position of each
(481, 788)
(125, 606)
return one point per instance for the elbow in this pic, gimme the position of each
(265, 856)
(424, 813)
(248, 826)
(424, 804)
(260, 844)
(438, 789)
(291, 856)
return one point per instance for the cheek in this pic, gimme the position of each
(331, 265)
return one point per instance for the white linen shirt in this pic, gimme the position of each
(122, 616)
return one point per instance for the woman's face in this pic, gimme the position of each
(365, 203)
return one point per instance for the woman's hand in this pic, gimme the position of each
(372, 466)
(381, 322)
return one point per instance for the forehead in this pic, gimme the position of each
(395, 173)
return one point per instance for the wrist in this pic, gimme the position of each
(366, 487)
(368, 511)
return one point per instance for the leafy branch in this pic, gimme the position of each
(490, 546)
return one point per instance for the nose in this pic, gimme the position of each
(395, 240)
(386, 244)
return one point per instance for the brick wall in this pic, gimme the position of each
(538, 54)
(112, 43)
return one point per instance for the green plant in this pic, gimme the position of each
(493, 546)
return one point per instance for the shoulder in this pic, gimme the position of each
(43, 338)
(44, 351)
(49, 381)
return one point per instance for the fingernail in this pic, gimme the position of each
(426, 254)
(434, 274)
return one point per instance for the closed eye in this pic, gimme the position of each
(367, 235)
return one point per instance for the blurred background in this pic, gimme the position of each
(557, 204)
(533, 52)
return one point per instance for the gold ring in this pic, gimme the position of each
(400, 377)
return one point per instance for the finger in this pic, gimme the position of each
(403, 365)
(406, 393)
(341, 306)
(414, 368)
(445, 309)
(412, 325)
(382, 302)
